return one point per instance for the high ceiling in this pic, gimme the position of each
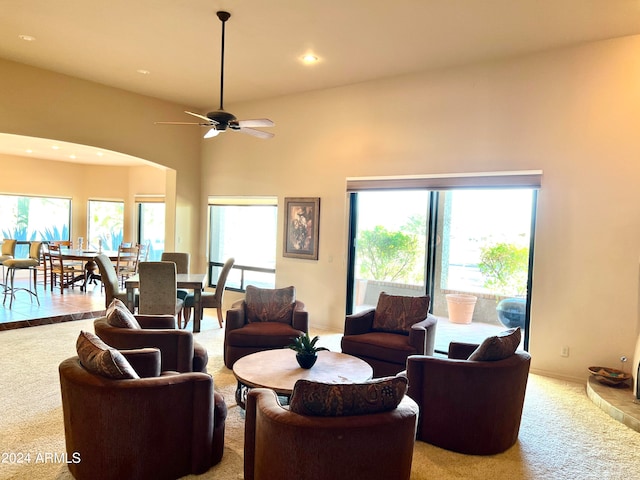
(178, 41)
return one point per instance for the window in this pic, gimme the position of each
(151, 227)
(246, 232)
(106, 220)
(446, 242)
(34, 218)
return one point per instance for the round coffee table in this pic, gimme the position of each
(279, 371)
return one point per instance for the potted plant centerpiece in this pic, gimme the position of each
(306, 350)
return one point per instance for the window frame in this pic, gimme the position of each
(241, 269)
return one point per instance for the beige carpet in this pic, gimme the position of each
(563, 435)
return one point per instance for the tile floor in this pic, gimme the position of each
(54, 307)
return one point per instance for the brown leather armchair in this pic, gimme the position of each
(265, 319)
(471, 407)
(159, 426)
(383, 345)
(179, 351)
(279, 442)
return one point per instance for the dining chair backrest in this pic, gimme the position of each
(127, 261)
(55, 256)
(62, 243)
(35, 249)
(9, 247)
(222, 280)
(58, 268)
(209, 300)
(109, 278)
(127, 256)
(143, 254)
(158, 288)
(182, 260)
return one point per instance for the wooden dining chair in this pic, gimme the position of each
(127, 261)
(59, 271)
(77, 264)
(143, 254)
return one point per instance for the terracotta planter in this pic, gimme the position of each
(461, 307)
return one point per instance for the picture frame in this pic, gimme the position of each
(301, 227)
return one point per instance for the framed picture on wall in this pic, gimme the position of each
(301, 227)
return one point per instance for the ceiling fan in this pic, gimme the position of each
(220, 120)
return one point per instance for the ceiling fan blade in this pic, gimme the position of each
(207, 119)
(255, 133)
(256, 122)
(182, 123)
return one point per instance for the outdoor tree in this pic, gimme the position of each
(504, 267)
(387, 256)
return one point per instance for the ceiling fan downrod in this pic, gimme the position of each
(223, 16)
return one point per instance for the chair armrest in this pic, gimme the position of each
(359, 323)
(145, 361)
(422, 335)
(236, 317)
(156, 321)
(300, 319)
(460, 350)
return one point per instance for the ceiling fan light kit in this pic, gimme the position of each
(220, 120)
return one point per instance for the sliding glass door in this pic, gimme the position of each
(390, 245)
(469, 249)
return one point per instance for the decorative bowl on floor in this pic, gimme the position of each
(609, 376)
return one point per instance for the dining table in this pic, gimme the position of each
(87, 256)
(190, 281)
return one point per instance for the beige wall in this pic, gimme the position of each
(39, 103)
(572, 114)
(81, 183)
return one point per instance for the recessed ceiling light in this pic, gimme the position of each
(100, 154)
(309, 59)
(55, 147)
(142, 71)
(72, 156)
(28, 150)
(27, 38)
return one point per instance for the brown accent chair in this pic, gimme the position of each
(160, 426)
(471, 407)
(264, 320)
(280, 443)
(179, 351)
(385, 336)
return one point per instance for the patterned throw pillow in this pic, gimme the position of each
(336, 400)
(100, 359)
(118, 315)
(498, 347)
(396, 313)
(270, 304)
